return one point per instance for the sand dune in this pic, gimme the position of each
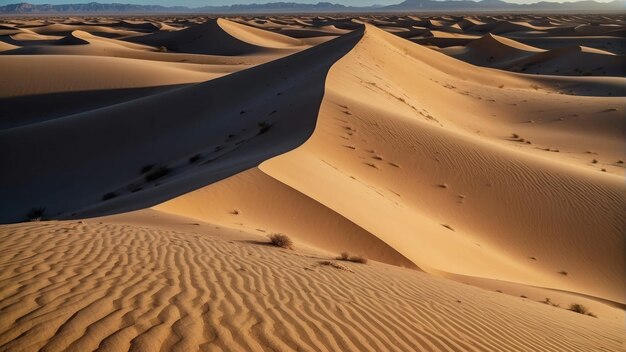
(504, 53)
(492, 51)
(113, 285)
(358, 166)
(225, 147)
(476, 161)
(220, 37)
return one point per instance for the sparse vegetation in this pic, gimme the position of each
(134, 187)
(549, 302)
(594, 161)
(281, 240)
(146, 168)
(563, 272)
(579, 308)
(36, 214)
(157, 172)
(345, 256)
(264, 127)
(109, 195)
(335, 265)
(447, 227)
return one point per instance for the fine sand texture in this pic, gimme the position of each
(114, 285)
(475, 163)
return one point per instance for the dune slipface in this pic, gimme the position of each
(444, 183)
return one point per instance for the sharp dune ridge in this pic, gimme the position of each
(475, 161)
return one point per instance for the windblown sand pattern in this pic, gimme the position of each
(113, 287)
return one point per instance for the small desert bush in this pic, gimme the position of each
(109, 195)
(146, 168)
(264, 127)
(36, 214)
(549, 302)
(345, 256)
(157, 172)
(281, 240)
(579, 308)
(194, 158)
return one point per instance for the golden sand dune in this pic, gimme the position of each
(425, 182)
(504, 53)
(114, 286)
(482, 175)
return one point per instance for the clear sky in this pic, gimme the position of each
(198, 3)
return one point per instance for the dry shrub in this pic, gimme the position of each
(36, 214)
(281, 240)
(345, 256)
(579, 308)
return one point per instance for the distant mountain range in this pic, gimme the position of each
(320, 7)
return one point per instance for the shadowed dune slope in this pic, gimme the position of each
(238, 124)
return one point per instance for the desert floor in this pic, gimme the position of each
(476, 161)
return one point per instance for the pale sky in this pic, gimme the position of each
(198, 3)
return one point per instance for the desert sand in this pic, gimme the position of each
(476, 161)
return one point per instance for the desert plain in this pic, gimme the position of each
(476, 162)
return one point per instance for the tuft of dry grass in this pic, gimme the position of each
(281, 240)
(264, 126)
(345, 256)
(109, 195)
(579, 308)
(448, 227)
(194, 158)
(36, 214)
(157, 172)
(549, 302)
